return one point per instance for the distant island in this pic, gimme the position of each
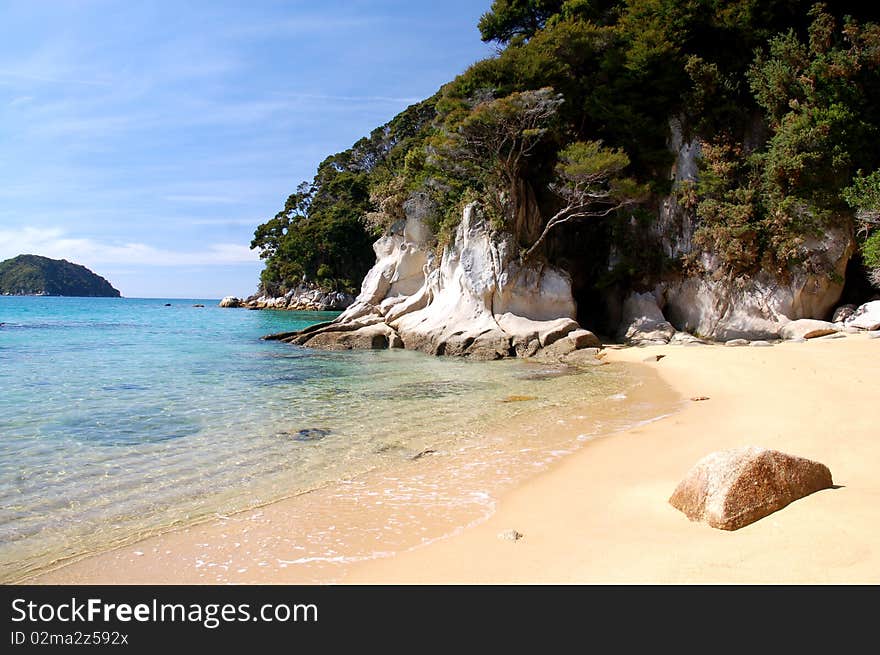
(33, 275)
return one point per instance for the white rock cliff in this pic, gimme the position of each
(477, 300)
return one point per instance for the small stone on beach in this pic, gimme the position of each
(510, 535)
(698, 398)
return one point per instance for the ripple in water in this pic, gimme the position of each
(136, 426)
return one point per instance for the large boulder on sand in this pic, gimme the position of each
(732, 488)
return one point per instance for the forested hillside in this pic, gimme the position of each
(563, 138)
(30, 275)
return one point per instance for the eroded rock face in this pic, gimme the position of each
(713, 306)
(757, 307)
(642, 322)
(732, 488)
(231, 301)
(477, 301)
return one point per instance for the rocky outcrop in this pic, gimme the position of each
(711, 305)
(757, 307)
(303, 298)
(476, 299)
(231, 301)
(733, 488)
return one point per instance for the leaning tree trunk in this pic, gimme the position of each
(527, 221)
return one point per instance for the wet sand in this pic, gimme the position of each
(322, 535)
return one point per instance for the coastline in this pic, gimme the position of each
(600, 514)
(318, 536)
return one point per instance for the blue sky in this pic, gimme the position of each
(147, 140)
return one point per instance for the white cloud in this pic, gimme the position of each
(58, 244)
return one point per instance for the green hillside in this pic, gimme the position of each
(573, 114)
(32, 275)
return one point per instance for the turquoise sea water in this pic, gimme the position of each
(120, 418)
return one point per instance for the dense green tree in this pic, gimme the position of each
(508, 19)
(864, 196)
(589, 183)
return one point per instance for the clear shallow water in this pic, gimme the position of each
(121, 418)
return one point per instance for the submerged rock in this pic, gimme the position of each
(310, 434)
(732, 488)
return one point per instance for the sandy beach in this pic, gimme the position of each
(600, 515)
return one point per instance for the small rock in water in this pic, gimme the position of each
(198, 305)
(168, 304)
(510, 535)
(309, 434)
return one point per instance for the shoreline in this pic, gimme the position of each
(600, 514)
(317, 537)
